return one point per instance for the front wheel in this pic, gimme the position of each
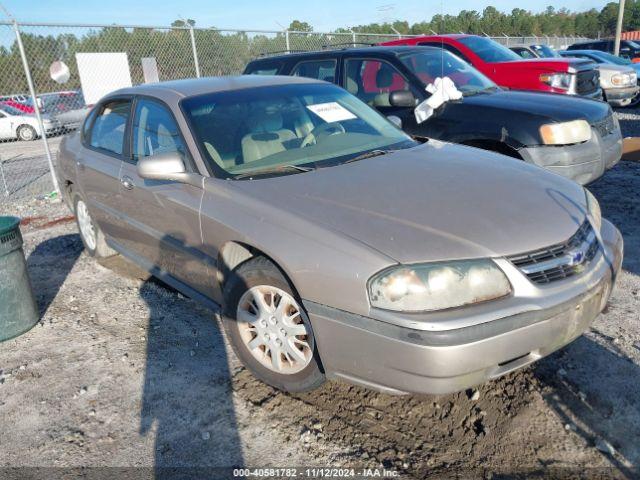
(268, 329)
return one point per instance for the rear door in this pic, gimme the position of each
(98, 167)
(163, 216)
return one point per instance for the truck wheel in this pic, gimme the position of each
(268, 328)
(26, 133)
(90, 233)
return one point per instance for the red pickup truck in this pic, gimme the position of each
(507, 69)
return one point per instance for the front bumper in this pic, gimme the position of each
(620, 97)
(396, 359)
(582, 162)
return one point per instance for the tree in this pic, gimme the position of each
(298, 26)
(184, 23)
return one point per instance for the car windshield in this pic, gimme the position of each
(545, 51)
(609, 58)
(11, 110)
(278, 128)
(433, 63)
(488, 50)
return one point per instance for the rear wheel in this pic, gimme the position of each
(90, 233)
(27, 133)
(268, 329)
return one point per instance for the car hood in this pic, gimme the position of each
(558, 108)
(613, 69)
(434, 202)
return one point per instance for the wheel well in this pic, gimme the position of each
(494, 146)
(234, 253)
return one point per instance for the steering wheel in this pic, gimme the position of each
(324, 130)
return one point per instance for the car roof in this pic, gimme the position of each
(179, 89)
(375, 50)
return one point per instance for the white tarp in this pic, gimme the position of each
(441, 90)
(150, 70)
(102, 73)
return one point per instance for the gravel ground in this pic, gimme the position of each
(124, 372)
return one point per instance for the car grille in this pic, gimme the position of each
(560, 261)
(587, 82)
(606, 126)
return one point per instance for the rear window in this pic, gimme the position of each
(262, 69)
(488, 50)
(318, 69)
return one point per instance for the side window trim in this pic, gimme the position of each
(189, 163)
(86, 142)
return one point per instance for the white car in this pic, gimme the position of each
(15, 124)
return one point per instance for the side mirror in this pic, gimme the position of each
(167, 166)
(397, 121)
(402, 98)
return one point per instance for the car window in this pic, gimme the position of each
(524, 52)
(246, 131)
(155, 131)
(318, 69)
(488, 50)
(372, 81)
(447, 47)
(262, 69)
(110, 125)
(429, 64)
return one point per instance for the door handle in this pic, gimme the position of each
(127, 182)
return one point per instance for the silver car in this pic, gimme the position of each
(333, 244)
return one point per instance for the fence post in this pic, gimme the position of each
(353, 36)
(286, 39)
(194, 50)
(36, 107)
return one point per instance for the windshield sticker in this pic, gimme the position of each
(331, 112)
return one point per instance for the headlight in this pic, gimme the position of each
(593, 208)
(557, 80)
(576, 131)
(621, 79)
(436, 286)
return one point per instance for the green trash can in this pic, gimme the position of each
(18, 308)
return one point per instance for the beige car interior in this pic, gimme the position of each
(267, 133)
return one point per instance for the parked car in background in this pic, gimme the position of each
(69, 108)
(534, 51)
(334, 245)
(22, 106)
(575, 137)
(15, 124)
(507, 69)
(628, 48)
(604, 58)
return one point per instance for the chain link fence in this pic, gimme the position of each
(50, 58)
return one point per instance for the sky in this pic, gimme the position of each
(323, 15)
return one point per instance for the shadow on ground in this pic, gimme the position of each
(187, 402)
(49, 265)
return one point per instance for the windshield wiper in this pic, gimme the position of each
(369, 154)
(278, 169)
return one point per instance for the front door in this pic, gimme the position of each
(163, 215)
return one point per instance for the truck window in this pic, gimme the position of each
(373, 80)
(318, 69)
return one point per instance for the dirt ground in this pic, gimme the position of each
(124, 372)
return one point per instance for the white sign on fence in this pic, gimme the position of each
(102, 73)
(150, 70)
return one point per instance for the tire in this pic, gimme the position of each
(90, 233)
(26, 133)
(299, 372)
